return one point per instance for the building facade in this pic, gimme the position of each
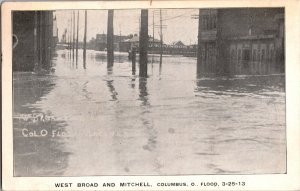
(242, 41)
(34, 33)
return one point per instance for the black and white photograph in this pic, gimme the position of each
(104, 92)
(150, 95)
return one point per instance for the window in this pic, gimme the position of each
(263, 55)
(232, 54)
(239, 54)
(254, 55)
(208, 23)
(246, 54)
(271, 54)
(205, 22)
(214, 22)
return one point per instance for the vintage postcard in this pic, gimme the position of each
(151, 95)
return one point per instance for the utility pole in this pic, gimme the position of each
(199, 67)
(43, 41)
(153, 27)
(120, 39)
(36, 61)
(40, 36)
(77, 38)
(70, 34)
(139, 26)
(161, 27)
(67, 35)
(73, 50)
(110, 38)
(143, 41)
(84, 39)
(153, 37)
(70, 37)
(161, 36)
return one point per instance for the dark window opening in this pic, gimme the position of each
(246, 54)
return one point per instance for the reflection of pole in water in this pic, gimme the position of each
(109, 71)
(133, 58)
(147, 122)
(160, 64)
(133, 82)
(143, 91)
(112, 90)
(110, 85)
(143, 43)
(110, 38)
(84, 39)
(77, 38)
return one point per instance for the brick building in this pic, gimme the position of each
(241, 41)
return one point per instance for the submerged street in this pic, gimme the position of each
(97, 121)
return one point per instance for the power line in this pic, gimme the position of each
(181, 15)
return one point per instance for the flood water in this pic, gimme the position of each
(95, 121)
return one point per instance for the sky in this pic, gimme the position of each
(179, 24)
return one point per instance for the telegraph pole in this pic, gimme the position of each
(73, 50)
(161, 36)
(198, 47)
(144, 43)
(110, 38)
(153, 27)
(69, 36)
(77, 38)
(161, 27)
(84, 39)
(153, 38)
(199, 68)
(36, 61)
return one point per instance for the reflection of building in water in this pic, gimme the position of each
(34, 30)
(242, 41)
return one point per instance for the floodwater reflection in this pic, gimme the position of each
(170, 123)
(38, 148)
(143, 96)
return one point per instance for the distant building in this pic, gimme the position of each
(178, 44)
(242, 41)
(154, 47)
(101, 41)
(128, 44)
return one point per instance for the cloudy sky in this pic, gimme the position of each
(179, 24)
